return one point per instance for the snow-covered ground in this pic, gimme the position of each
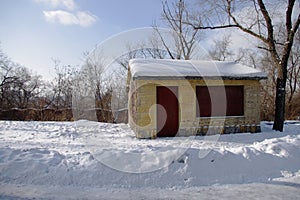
(89, 160)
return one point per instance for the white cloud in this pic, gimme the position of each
(69, 4)
(81, 18)
(60, 16)
(85, 18)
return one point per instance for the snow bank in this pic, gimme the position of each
(60, 154)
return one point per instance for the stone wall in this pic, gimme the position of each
(142, 108)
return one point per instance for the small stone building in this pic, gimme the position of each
(169, 98)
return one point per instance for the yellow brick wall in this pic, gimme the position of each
(142, 108)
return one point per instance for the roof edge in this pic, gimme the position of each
(199, 78)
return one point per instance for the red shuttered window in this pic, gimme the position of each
(218, 101)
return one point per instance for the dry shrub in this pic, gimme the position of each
(293, 111)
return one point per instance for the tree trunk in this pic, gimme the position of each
(279, 105)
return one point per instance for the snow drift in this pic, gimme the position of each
(63, 154)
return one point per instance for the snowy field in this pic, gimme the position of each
(89, 160)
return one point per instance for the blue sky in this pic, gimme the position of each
(34, 31)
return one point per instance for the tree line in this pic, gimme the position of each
(27, 96)
(273, 26)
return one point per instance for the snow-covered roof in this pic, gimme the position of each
(192, 69)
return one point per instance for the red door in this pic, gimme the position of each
(167, 111)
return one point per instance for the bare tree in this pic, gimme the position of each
(92, 91)
(220, 50)
(7, 78)
(62, 85)
(19, 88)
(260, 24)
(268, 85)
(249, 57)
(149, 49)
(26, 88)
(293, 72)
(184, 35)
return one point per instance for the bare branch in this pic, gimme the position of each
(164, 43)
(184, 34)
(270, 40)
(201, 27)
